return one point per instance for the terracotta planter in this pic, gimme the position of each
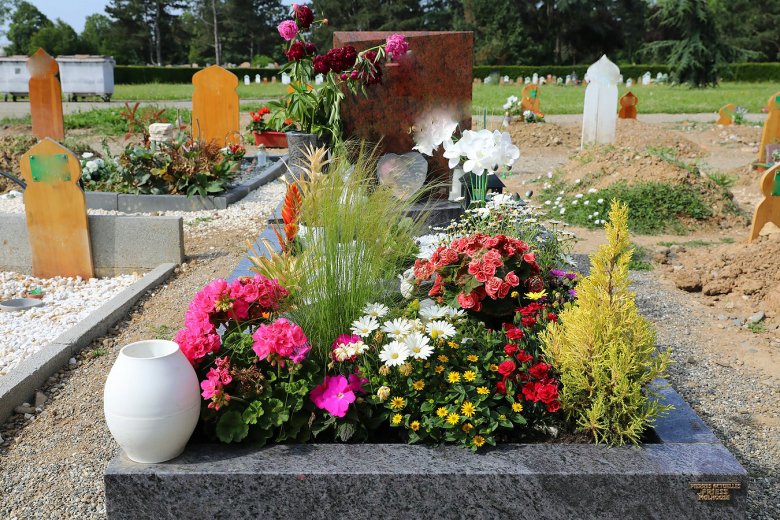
(271, 139)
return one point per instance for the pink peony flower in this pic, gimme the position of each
(333, 395)
(282, 338)
(288, 29)
(396, 46)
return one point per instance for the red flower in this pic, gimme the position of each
(510, 349)
(311, 49)
(553, 406)
(529, 391)
(530, 309)
(506, 368)
(547, 393)
(264, 110)
(436, 289)
(468, 301)
(539, 370)
(524, 357)
(493, 286)
(529, 258)
(303, 15)
(512, 279)
(534, 283)
(503, 290)
(297, 51)
(321, 65)
(515, 333)
(528, 322)
(482, 271)
(501, 388)
(449, 256)
(341, 58)
(423, 269)
(552, 316)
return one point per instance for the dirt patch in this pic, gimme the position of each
(740, 276)
(634, 134)
(11, 150)
(539, 135)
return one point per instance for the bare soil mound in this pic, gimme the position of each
(636, 135)
(541, 135)
(742, 274)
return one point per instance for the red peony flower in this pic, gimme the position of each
(311, 49)
(514, 333)
(321, 65)
(297, 51)
(303, 15)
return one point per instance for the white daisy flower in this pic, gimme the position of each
(418, 346)
(394, 354)
(432, 312)
(600, 201)
(440, 329)
(586, 203)
(364, 326)
(397, 328)
(377, 310)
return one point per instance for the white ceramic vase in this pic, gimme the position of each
(152, 401)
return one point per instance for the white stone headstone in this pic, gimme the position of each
(535, 79)
(161, 132)
(488, 80)
(527, 80)
(319, 79)
(629, 83)
(505, 79)
(568, 79)
(258, 79)
(559, 81)
(285, 78)
(247, 81)
(646, 79)
(599, 116)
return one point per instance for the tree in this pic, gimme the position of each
(56, 39)
(97, 34)
(694, 48)
(142, 29)
(750, 26)
(25, 22)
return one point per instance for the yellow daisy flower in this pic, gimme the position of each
(414, 426)
(418, 385)
(452, 344)
(405, 369)
(517, 407)
(502, 417)
(478, 441)
(472, 358)
(514, 294)
(467, 427)
(483, 390)
(453, 377)
(469, 375)
(396, 403)
(439, 369)
(443, 358)
(468, 409)
(536, 295)
(397, 419)
(442, 412)
(453, 418)
(493, 367)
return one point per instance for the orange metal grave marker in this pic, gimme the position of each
(215, 106)
(726, 114)
(56, 212)
(530, 98)
(768, 210)
(771, 133)
(45, 96)
(628, 105)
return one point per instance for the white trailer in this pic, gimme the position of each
(83, 75)
(14, 77)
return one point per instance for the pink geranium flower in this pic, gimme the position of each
(282, 338)
(333, 395)
(288, 29)
(396, 46)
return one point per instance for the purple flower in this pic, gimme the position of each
(571, 276)
(572, 293)
(396, 46)
(557, 273)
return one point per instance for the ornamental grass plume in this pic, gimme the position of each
(605, 351)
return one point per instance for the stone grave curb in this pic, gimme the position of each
(148, 203)
(560, 480)
(21, 383)
(114, 239)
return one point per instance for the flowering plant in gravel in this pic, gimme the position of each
(316, 110)
(253, 366)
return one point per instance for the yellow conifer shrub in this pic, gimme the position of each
(605, 351)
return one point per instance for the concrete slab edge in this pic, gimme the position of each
(22, 382)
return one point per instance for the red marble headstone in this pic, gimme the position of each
(435, 76)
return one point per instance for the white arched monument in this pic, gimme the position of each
(599, 116)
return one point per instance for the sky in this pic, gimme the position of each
(73, 12)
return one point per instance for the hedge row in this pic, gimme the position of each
(130, 74)
(735, 71)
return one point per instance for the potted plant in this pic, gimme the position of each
(315, 111)
(265, 134)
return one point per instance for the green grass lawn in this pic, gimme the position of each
(163, 91)
(554, 99)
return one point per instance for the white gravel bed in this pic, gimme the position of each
(244, 214)
(66, 302)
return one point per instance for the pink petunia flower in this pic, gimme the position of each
(334, 395)
(288, 29)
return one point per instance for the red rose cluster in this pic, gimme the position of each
(478, 267)
(531, 375)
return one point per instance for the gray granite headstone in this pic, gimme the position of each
(404, 174)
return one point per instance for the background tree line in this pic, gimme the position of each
(508, 32)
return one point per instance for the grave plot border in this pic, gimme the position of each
(148, 203)
(21, 383)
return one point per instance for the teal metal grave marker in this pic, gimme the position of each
(49, 168)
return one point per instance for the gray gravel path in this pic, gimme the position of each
(52, 465)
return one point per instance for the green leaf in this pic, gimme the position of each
(231, 428)
(253, 412)
(345, 431)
